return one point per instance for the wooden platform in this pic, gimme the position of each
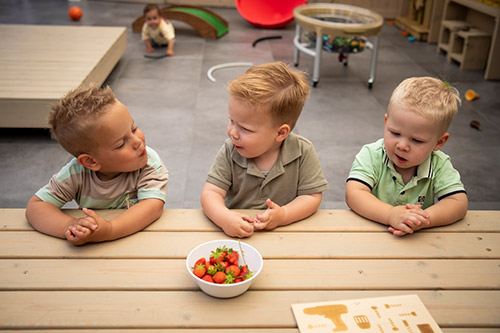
(39, 64)
(140, 282)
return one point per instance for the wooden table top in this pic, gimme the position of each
(140, 282)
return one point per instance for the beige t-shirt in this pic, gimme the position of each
(296, 172)
(161, 35)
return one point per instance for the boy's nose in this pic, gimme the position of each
(233, 132)
(403, 145)
(137, 142)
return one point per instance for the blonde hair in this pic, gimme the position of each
(428, 97)
(72, 119)
(273, 87)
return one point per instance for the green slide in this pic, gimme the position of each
(220, 27)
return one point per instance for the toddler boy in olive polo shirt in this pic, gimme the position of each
(396, 180)
(263, 165)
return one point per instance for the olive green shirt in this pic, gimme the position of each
(296, 172)
(435, 178)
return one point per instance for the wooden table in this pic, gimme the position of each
(140, 282)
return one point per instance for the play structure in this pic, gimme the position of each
(207, 23)
(268, 14)
(41, 63)
(336, 24)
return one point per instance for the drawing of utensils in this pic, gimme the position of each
(362, 322)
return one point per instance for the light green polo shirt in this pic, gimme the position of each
(296, 172)
(435, 178)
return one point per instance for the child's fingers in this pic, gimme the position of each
(89, 223)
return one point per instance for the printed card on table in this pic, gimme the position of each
(404, 313)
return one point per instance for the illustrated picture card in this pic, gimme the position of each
(404, 313)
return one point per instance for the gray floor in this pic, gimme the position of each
(184, 115)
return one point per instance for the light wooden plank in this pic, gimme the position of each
(39, 64)
(231, 330)
(141, 309)
(326, 274)
(200, 330)
(322, 221)
(272, 245)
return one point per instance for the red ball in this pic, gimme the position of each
(75, 13)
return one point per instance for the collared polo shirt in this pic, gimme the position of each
(296, 172)
(435, 178)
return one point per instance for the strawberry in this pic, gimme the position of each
(238, 280)
(233, 270)
(219, 254)
(199, 271)
(201, 261)
(221, 266)
(208, 278)
(211, 269)
(232, 258)
(243, 270)
(219, 277)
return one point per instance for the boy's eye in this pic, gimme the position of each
(394, 133)
(417, 141)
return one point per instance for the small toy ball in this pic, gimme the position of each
(75, 13)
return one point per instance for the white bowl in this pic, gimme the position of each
(252, 258)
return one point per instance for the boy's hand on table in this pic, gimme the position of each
(238, 225)
(271, 218)
(406, 219)
(78, 231)
(97, 228)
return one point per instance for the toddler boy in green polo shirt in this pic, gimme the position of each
(262, 165)
(396, 180)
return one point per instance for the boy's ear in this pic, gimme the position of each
(88, 161)
(441, 141)
(283, 132)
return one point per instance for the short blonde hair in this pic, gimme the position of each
(428, 97)
(274, 87)
(72, 119)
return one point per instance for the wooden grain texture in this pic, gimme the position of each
(194, 309)
(274, 245)
(277, 274)
(141, 282)
(39, 64)
(321, 221)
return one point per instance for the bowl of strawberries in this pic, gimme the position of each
(224, 268)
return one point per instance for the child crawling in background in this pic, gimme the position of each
(156, 31)
(396, 180)
(112, 168)
(263, 165)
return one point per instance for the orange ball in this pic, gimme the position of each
(75, 13)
